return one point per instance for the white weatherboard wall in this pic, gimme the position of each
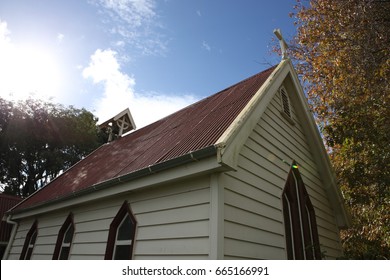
(253, 221)
(172, 223)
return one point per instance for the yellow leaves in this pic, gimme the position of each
(342, 52)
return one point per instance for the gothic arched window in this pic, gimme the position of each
(121, 235)
(299, 219)
(64, 239)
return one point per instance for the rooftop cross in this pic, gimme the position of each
(282, 42)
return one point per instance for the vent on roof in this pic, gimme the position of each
(118, 125)
(286, 108)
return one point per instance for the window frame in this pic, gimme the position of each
(112, 241)
(60, 245)
(29, 242)
(301, 233)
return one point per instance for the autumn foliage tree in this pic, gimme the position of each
(38, 140)
(342, 54)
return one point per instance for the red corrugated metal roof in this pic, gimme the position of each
(190, 129)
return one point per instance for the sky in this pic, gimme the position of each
(152, 56)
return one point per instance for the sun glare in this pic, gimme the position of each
(29, 71)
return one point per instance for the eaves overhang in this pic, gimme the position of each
(206, 156)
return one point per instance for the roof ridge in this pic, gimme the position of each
(192, 128)
(160, 159)
(202, 100)
(249, 78)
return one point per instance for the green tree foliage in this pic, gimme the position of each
(342, 54)
(38, 140)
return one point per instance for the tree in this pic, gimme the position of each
(38, 140)
(342, 54)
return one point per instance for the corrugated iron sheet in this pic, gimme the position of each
(190, 129)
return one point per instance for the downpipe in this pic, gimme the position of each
(12, 237)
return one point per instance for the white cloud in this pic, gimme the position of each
(4, 34)
(6, 48)
(119, 92)
(60, 38)
(136, 22)
(120, 43)
(134, 12)
(206, 46)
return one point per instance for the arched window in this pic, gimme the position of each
(121, 235)
(29, 243)
(299, 219)
(64, 239)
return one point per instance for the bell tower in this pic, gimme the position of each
(119, 124)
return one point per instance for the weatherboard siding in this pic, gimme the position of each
(231, 215)
(20, 236)
(253, 226)
(172, 223)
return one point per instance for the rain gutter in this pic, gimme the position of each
(158, 167)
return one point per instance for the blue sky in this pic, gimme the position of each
(152, 56)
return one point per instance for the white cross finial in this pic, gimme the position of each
(282, 42)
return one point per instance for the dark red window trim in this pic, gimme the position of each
(299, 219)
(61, 234)
(30, 240)
(112, 235)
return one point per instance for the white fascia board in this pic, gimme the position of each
(318, 149)
(182, 172)
(238, 132)
(231, 142)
